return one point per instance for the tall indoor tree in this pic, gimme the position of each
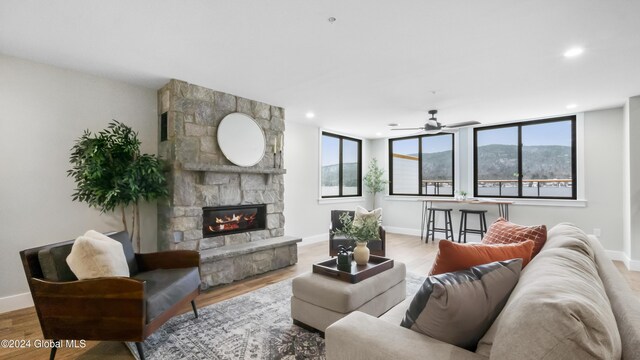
(110, 172)
(374, 179)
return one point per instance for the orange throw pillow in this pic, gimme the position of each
(505, 232)
(454, 257)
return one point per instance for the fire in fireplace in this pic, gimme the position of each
(224, 220)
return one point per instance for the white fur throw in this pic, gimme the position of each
(362, 214)
(95, 255)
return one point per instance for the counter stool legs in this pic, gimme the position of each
(463, 224)
(431, 224)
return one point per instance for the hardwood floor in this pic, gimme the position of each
(23, 324)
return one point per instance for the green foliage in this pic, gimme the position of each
(374, 179)
(368, 231)
(110, 172)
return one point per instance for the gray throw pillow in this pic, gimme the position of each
(459, 307)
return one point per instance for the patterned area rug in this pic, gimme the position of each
(256, 325)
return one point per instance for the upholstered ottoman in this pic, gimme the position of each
(318, 300)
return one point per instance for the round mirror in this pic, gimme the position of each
(241, 139)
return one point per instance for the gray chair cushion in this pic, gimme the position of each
(123, 238)
(166, 287)
(53, 262)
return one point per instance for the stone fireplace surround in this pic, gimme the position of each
(200, 176)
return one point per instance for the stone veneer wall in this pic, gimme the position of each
(194, 113)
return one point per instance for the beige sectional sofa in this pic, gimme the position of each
(570, 303)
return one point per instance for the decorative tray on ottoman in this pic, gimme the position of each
(376, 265)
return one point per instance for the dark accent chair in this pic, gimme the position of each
(110, 308)
(375, 247)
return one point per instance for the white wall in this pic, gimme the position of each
(603, 134)
(631, 182)
(304, 215)
(44, 110)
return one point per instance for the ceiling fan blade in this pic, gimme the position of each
(461, 124)
(418, 128)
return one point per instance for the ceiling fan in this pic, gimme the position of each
(434, 126)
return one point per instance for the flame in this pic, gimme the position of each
(233, 222)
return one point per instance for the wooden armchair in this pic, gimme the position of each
(110, 309)
(377, 248)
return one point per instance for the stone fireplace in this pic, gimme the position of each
(247, 238)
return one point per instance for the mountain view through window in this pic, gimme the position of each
(534, 159)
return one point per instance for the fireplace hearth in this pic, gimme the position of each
(225, 220)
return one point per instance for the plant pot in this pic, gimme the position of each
(361, 253)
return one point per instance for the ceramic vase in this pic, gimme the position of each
(361, 253)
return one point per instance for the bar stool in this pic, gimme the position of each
(431, 224)
(463, 224)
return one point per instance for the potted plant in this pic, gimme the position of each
(360, 231)
(374, 180)
(462, 195)
(110, 172)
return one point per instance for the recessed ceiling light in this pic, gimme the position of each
(310, 115)
(378, 134)
(392, 124)
(573, 52)
(572, 106)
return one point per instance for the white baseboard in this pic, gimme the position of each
(401, 230)
(616, 255)
(631, 265)
(314, 239)
(15, 302)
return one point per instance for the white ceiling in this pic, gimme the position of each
(379, 62)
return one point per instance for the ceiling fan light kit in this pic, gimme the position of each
(433, 126)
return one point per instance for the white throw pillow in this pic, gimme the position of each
(95, 255)
(362, 214)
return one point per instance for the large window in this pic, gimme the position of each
(421, 165)
(341, 169)
(534, 159)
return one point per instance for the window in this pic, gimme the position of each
(421, 165)
(341, 171)
(534, 159)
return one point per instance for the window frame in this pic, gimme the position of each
(419, 138)
(341, 138)
(519, 126)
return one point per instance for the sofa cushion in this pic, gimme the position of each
(559, 309)
(53, 262)
(624, 303)
(505, 232)
(95, 255)
(165, 287)
(459, 307)
(454, 257)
